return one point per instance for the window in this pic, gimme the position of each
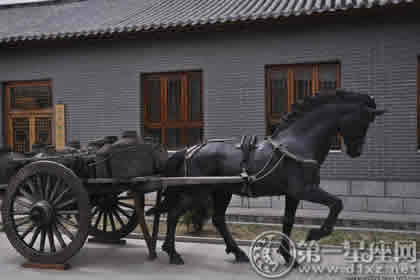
(173, 111)
(28, 114)
(288, 83)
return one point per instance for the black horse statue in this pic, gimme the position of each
(286, 163)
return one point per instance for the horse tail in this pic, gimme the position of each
(172, 167)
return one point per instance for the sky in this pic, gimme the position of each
(5, 2)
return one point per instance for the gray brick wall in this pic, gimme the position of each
(99, 81)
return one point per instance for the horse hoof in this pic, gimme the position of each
(152, 256)
(242, 258)
(316, 234)
(177, 260)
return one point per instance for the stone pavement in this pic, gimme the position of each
(97, 261)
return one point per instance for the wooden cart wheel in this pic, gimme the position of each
(113, 216)
(46, 213)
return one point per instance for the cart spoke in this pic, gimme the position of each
(95, 211)
(122, 212)
(27, 231)
(58, 235)
(34, 237)
(47, 187)
(64, 230)
(21, 212)
(55, 189)
(51, 240)
(105, 222)
(98, 219)
(60, 196)
(111, 218)
(27, 195)
(40, 187)
(118, 218)
(22, 221)
(66, 203)
(67, 221)
(126, 205)
(31, 187)
(23, 203)
(43, 237)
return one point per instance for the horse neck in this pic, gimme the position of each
(315, 130)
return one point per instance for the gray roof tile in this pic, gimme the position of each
(97, 17)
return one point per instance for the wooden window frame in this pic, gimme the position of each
(10, 113)
(183, 123)
(291, 91)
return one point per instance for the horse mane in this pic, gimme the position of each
(310, 103)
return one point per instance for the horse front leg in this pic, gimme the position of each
(317, 195)
(288, 222)
(179, 208)
(221, 202)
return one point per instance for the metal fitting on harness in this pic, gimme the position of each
(247, 184)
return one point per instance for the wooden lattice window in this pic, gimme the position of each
(28, 114)
(173, 111)
(285, 84)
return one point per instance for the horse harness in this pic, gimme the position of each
(246, 145)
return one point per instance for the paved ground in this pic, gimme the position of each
(203, 261)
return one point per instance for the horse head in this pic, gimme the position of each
(354, 123)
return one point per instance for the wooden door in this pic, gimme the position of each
(28, 114)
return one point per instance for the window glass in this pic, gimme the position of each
(328, 76)
(174, 99)
(30, 97)
(179, 96)
(305, 80)
(279, 91)
(154, 104)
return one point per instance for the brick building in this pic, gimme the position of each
(187, 70)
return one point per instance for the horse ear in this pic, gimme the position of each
(379, 112)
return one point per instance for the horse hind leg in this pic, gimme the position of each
(179, 208)
(221, 201)
(335, 205)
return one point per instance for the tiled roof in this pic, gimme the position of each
(74, 19)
